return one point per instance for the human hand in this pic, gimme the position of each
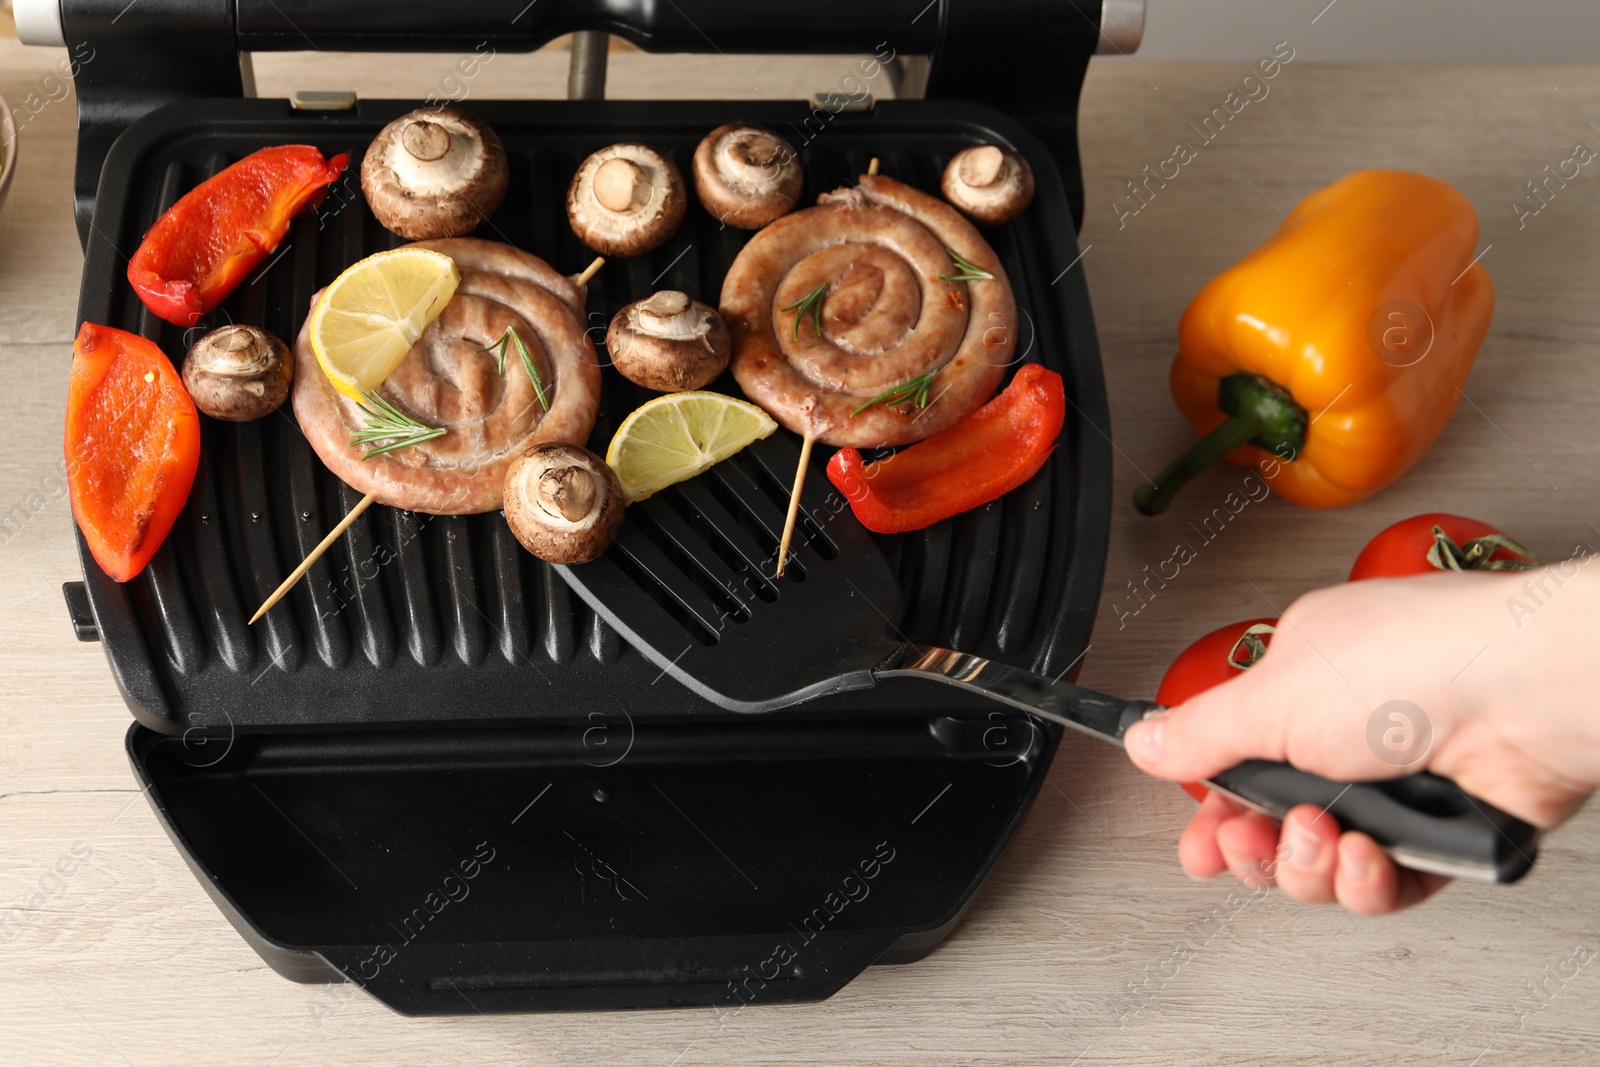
(1501, 694)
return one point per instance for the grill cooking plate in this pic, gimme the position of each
(413, 619)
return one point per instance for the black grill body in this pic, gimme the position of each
(440, 777)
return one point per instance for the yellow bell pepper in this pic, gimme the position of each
(1331, 357)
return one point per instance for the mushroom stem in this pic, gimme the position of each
(983, 166)
(567, 491)
(666, 304)
(424, 140)
(616, 183)
(235, 341)
(563, 503)
(756, 158)
(794, 501)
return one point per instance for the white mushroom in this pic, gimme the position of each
(238, 373)
(435, 172)
(563, 503)
(625, 200)
(747, 176)
(991, 184)
(668, 342)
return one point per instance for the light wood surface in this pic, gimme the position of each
(1088, 945)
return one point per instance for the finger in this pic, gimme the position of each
(1211, 732)
(1365, 881)
(1368, 882)
(1310, 849)
(1197, 848)
(1249, 844)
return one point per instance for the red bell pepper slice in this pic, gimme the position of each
(132, 446)
(985, 455)
(218, 231)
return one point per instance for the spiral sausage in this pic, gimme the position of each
(881, 252)
(446, 381)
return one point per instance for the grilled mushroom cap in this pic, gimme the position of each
(625, 200)
(436, 172)
(668, 342)
(746, 175)
(991, 184)
(238, 373)
(563, 503)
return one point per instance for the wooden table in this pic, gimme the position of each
(1088, 944)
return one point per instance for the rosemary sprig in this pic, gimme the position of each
(499, 348)
(390, 428)
(533, 372)
(966, 271)
(810, 304)
(915, 391)
(506, 340)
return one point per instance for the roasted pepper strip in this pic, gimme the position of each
(986, 454)
(132, 446)
(1331, 357)
(218, 231)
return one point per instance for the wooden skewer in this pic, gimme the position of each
(800, 472)
(316, 554)
(794, 503)
(355, 513)
(590, 271)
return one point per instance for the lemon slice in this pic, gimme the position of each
(372, 314)
(677, 436)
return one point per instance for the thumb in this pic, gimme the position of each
(1243, 718)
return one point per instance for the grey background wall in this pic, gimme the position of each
(1457, 31)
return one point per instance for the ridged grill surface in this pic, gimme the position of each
(412, 618)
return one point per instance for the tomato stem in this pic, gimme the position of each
(1478, 553)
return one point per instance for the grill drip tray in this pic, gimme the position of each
(554, 869)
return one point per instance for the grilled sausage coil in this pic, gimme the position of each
(883, 255)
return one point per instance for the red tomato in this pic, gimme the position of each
(1403, 548)
(1204, 664)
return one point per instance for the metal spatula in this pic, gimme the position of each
(687, 585)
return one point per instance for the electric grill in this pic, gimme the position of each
(440, 775)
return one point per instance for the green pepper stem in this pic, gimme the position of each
(1153, 497)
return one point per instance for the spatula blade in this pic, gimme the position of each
(689, 584)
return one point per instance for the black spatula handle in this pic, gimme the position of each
(1425, 822)
(1422, 821)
